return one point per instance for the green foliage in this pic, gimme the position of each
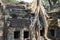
(54, 1)
(13, 1)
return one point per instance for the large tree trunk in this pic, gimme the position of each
(32, 26)
(44, 15)
(33, 6)
(35, 9)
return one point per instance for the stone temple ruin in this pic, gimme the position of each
(16, 23)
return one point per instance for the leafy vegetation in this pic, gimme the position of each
(54, 1)
(50, 3)
(12, 1)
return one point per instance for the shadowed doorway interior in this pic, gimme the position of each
(16, 34)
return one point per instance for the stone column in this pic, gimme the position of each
(21, 34)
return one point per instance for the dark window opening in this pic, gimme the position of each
(26, 34)
(52, 32)
(16, 34)
(0, 5)
(41, 32)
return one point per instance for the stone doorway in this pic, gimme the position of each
(16, 35)
(13, 34)
(26, 35)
